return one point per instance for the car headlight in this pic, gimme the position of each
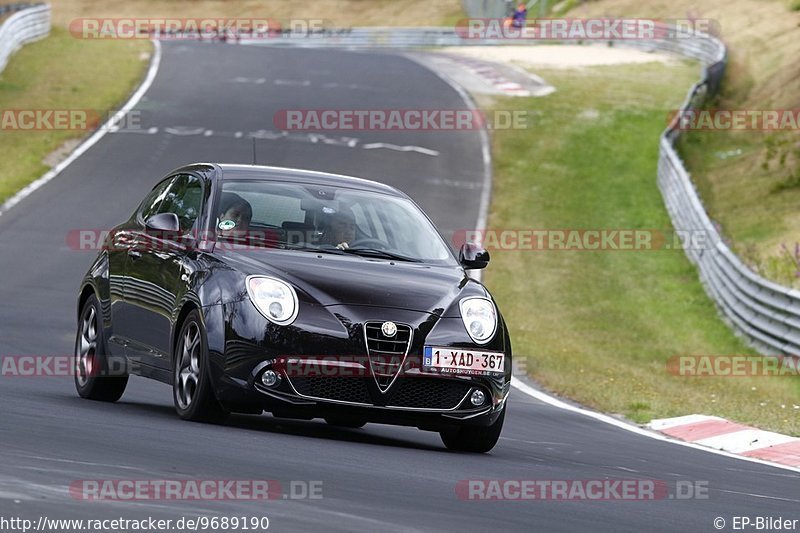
(274, 299)
(480, 318)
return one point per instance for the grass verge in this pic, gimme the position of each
(61, 72)
(749, 181)
(599, 327)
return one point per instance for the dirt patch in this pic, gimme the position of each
(562, 56)
(61, 153)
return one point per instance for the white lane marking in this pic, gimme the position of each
(746, 440)
(350, 86)
(660, 424)
(96, 136)
(184, 130)
(71, 461)
(313, 138)
(20, 489)
(389, 146)
(460, 184)
(293, 83)
(266, 134)
(627, 426)
(257, 81)
(148, 131)
(541, 442)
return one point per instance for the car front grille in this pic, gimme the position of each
(407, 392)
(342, 389)
(395, 390)
(386, 354)
(428, 393)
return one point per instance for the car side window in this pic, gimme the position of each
(184, 198)
(151, 204)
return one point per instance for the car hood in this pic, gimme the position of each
(331, 279)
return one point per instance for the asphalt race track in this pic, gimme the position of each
(205, 103)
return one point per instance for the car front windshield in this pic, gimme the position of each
(303, 217)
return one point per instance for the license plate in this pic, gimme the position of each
(464, 362)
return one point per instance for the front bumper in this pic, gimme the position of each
(324, 367)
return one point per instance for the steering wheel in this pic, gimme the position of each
(369, 243)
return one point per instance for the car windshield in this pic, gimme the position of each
(307, 217)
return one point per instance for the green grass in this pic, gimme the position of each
(598, 327)
(61, 72)
(750, 184)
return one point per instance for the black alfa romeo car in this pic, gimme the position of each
(305, 294)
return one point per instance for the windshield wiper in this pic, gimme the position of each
(374, 252)
(301, 248)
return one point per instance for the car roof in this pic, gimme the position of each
(229, 171)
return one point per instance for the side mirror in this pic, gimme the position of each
(473, 256)
(164, 222)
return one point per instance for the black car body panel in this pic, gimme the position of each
(145, 290)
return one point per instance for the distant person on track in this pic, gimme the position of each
(520, 16)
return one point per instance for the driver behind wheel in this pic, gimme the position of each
(235, 216)
(340, 230)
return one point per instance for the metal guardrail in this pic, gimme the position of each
(28, 23)
(6, 9)
(765, 312)
(488, 8)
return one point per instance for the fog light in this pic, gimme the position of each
(270, 378)
(477, 398)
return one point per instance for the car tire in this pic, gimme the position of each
(475, 439)
(92, 370)
(192, 390)
(342, 422)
